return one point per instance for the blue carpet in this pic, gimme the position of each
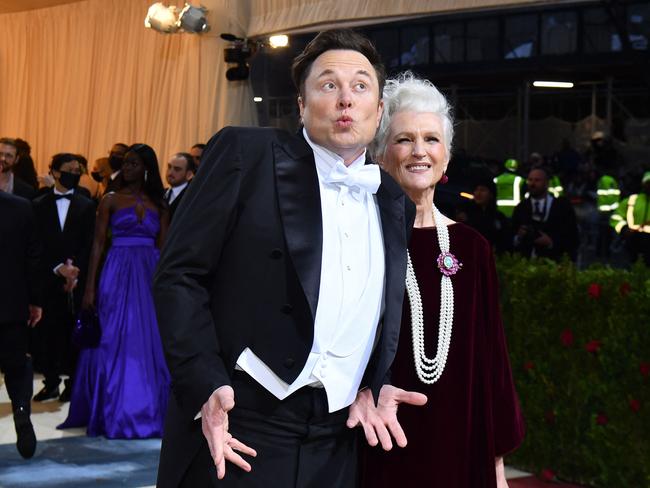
(75, 462)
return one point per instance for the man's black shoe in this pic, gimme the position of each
(47, 394)
(26, 439)
(65, 394)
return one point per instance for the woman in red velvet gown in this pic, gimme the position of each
(472, 417)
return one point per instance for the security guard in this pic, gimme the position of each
(608, 197)
(632, 220)
(509, 185)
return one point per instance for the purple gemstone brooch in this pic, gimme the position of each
(448, 264)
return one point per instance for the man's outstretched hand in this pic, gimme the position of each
(214, 424)
(380, 422)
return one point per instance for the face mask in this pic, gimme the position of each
(69, 180)
(115, 162)
(97, 176)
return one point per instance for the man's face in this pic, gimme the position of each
(116, 156)
(196, 153)
(7, 157)
(177, 172)
(537, 183)
(340, 106)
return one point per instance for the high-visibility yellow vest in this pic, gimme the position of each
(509, 187)
(555, 187)
(608, 194)
(634, 212)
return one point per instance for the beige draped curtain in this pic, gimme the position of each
(81, 76)
(273, 16)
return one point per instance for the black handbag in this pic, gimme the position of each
(87, 331)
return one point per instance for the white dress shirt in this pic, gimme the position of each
(174, 191)
(350, 295)
(62, 207)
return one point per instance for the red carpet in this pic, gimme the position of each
(533, 482)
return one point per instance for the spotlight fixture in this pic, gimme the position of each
(193, 19)
(161, 18)
(257, 99)
(552, 84)
(169, 19)
(279, 40)
(237, 53)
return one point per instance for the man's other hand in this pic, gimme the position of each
(380, 422)
(214, 424)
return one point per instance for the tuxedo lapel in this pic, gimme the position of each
(52, 214)
(300, 211)
(73, 213)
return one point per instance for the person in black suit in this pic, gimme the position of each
(19, 299)
(180, 171)
(279, 291)
(8, 181)
(544, 226)
(115, 160)
(66, 221)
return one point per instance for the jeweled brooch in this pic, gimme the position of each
(448, 264)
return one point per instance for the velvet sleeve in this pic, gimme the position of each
(507, 420)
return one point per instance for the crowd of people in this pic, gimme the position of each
(89, 240)
(566, 204)
(256, 332)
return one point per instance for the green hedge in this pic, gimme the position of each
(579, 345)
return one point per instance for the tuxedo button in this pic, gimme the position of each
(287, 308)
(276, 253)
(289, 362)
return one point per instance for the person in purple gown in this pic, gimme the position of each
(121, 386)
(452, 346)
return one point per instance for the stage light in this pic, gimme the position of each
(193, 19)
(258, 99)
(552, 84)
(161, 18)
(279, 40)
(464, 194)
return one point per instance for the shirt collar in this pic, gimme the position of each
(177, 189)
(57, 192)
(326, 159)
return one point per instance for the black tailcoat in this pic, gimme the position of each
(241, 268)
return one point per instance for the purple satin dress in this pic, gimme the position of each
(121, 387)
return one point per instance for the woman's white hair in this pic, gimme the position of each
(406, 92)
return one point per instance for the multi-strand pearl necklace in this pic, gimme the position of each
(429, 370)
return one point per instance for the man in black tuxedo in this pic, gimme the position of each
(180, 171)
(8, 181)
(545, 226)
(115, 160)
(279, 291)
(19, 299)
(66, 221)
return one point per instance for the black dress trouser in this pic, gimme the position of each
(15, 364)
(299, 443)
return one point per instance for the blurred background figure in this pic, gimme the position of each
(544, 226)
(482, 214)
(197, 151)
(509, 187)
(632, 221)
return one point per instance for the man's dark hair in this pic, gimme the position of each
(335, 39)
(200, 146)
(9, 142)
(189, 159)
(60, 159)
(543, 169)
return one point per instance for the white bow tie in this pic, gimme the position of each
(360, 181)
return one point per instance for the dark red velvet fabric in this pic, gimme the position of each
(472, 415)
